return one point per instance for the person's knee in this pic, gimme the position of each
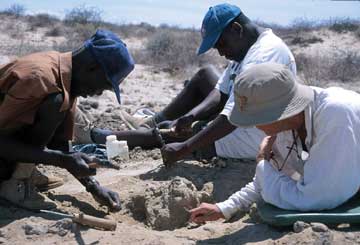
(208, 74)
(205, 78)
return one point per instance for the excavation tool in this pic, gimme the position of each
(87, 220)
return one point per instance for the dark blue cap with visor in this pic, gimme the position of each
(112, 55)
(214, 23)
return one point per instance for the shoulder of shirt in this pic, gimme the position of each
(270, 38)
(334, 106)
(35, 63)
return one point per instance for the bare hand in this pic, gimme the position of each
(182, 126)
(173, 152)
(77, 164)
(205, 212)
(265, 149)
(106, 197)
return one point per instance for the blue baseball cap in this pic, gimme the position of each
(214, 23)
(112, 55)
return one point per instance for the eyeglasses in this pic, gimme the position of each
(293, 147)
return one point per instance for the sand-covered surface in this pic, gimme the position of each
(155, 198)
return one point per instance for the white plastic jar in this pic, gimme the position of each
(112, 147)
(124, 150)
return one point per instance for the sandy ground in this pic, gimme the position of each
(154, 197)
(145, 187)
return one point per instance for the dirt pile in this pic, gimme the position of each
(166, 208)
(164, 205)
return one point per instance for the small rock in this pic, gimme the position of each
(94, 104)
(87, 107)
(108, 110)
(299, 226)
(61, 227)
(2, 233)
(319, 227)
(115, 116)
(84, 102)
(34, 229)
(3, 240)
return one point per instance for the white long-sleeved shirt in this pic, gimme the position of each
(330, 174)
(267, 48)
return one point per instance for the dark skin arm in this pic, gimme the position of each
(219, 128)
(17, 151)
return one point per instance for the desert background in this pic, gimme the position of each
(327, 53)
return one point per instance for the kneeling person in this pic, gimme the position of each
(37, 109)
(310, 159)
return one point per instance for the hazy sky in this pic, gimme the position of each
(190, 13)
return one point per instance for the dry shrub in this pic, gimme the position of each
(41, 20)
(55, 31)
(83, 15)
(340, 66)
(172, 49)
(344, 25)
(83, 22)
(357, 33)
(16, 10)
(304, 42)
(24, 48)
(141, 30)
(303, 25)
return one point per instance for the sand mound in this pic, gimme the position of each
(165, 206)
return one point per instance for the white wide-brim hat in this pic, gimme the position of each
(266, 93)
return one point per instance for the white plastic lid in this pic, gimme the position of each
(110, 138)
(123, 143)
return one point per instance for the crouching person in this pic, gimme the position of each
(37, 110)
(310, 158)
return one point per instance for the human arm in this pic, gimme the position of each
(101, 194)
(216, 130)
(205, 212)
(17, 151)
(239, 201)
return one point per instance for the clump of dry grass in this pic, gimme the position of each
(319, 69)
(15, 9)
(344, 25)
(171, 48)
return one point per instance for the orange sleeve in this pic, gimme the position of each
(21, 102)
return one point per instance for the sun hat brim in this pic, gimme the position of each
(288, 106)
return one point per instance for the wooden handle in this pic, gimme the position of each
(93, 165)
(95, 222)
